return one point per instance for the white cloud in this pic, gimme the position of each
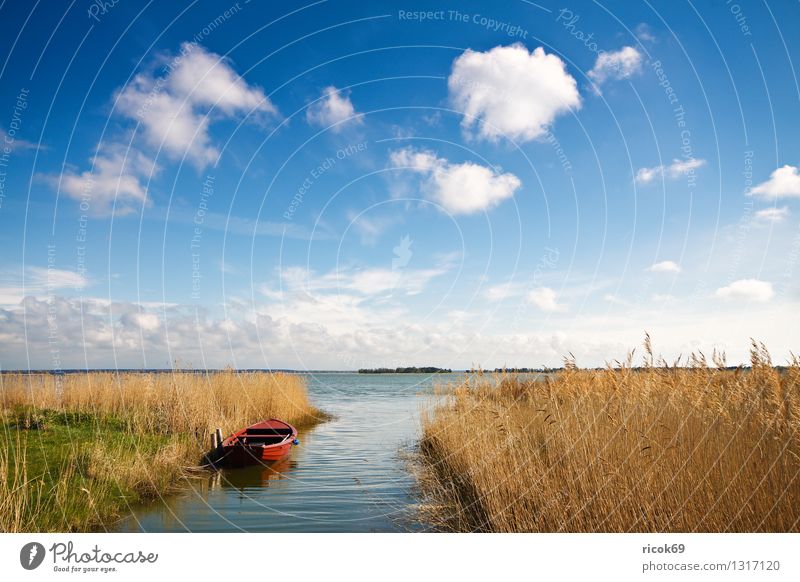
(510, 92)
(674, 170)
(176, 109)
(148, 322)
(621, 64)
(344, 301)
(783, 183)
(664, 298)
(364, 282)
(463, 188)
(503, 291)
(239, 225)
(773, 214)
(615, 299)
(371, 227)
(13, 143)
(665, 267)
(645, 33)
(95, 332)
(747, 289)
(115, 181)
(333, 109)
(545, 299)
(42, 277)
(38, 281)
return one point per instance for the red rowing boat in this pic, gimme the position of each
(269, 440)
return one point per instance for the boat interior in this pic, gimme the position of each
(265, 436)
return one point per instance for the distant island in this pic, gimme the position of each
(410, 370)
(525, 370)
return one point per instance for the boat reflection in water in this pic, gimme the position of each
(251, 476)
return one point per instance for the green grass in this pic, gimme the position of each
(77, 451)
(67, 491)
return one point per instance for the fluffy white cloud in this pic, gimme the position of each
(115, 181)
(616, 65)
(510, 92)
(674, 170)
(665, 267)
(545, 299)
(333, 109)
(175, 109)
(773, 214)
(747, 289)
(462, 188)
(783, 183)
(148, 322)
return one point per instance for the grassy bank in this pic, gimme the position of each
(657, 448)
(77, 450)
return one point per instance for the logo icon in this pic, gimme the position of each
(31, 555)
(402, 253)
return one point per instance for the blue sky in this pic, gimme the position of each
(335, 185)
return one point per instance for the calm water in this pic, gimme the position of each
(347, 475)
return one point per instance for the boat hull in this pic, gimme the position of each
(247, 455)
(267, 441)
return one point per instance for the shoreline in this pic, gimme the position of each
(651, 449)
(76, 460)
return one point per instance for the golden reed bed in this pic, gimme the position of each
(167, 403)
(77, 450)
(654, 449)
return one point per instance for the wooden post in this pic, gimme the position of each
(218, 437)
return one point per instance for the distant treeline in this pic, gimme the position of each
(525, 370)
(409, 370)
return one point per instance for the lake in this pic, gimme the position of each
(347, 475)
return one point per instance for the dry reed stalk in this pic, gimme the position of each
(129, 436)
(655, 448)
(167, 403)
